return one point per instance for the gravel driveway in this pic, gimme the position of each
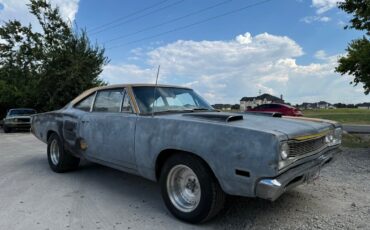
(96, 197)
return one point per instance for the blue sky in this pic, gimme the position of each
(278, 17)
(287, 47)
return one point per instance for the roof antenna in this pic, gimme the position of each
(155, 89)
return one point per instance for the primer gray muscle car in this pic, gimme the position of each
(171, 135)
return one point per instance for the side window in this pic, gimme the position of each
(275, 106)
(126, 105)
(108, 100)
(85, 104)
(267, 106)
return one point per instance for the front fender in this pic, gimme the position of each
(224, 148)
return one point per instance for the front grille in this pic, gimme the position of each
(23, 119)
(299, 148)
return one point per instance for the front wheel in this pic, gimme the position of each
(59, 159)
(6, 129)
(190, 190)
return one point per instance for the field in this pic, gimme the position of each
(345, 116)
(356, 140)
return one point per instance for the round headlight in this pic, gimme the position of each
(338, 135)
(329, 139)
(284, 151)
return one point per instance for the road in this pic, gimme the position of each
(32, 197)
(357, 128)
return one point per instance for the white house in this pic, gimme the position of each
(365, 105)
(251, 102)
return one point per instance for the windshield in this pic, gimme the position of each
(168, 100)
(18, 112)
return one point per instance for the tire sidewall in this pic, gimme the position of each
(6, 129)
(205, 178)
(54, 167)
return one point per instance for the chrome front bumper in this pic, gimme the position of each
(273, 188)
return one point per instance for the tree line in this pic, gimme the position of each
(45, 70)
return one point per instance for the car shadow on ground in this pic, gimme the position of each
(238, 211)
(25, 131)
(96, 193)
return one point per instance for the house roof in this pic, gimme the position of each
(323, 103)
(308, 103)
(262, 97)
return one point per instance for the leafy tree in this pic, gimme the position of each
(357, 60)
(235, 107)
(46, 69)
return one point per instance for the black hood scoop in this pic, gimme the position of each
(216, 117)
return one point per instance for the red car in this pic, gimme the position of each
(285, 110)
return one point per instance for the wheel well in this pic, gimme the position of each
(49, 134)
(165, 154)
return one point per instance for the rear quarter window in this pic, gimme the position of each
(85, 104)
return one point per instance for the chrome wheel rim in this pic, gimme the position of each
(183, 188)
(54, 152)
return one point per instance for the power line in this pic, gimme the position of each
(135, 18)
(193, 24)
(127, 16)
(169, 21)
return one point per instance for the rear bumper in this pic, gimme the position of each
(273, 188)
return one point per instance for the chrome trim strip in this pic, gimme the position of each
(272, 188)
(311, 136)
(93, 102)
(133, 100)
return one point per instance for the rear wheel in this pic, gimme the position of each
(189, 189)
(59, 159)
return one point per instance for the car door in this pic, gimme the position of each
(261, 108)
(269, 108)
(108, 129)
(71, 119)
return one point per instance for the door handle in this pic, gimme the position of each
(84, 121)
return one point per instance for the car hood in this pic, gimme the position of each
(289, 126)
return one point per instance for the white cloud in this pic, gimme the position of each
(244, 39)
(225, 71)
(18, 9)
(321, 6)
(324, 5)
(128, 73)
(310, 19)
(321, 55)
(341, 24)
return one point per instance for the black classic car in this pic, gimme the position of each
(18, 119)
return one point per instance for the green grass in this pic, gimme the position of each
(356, 141)
(346, 116)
